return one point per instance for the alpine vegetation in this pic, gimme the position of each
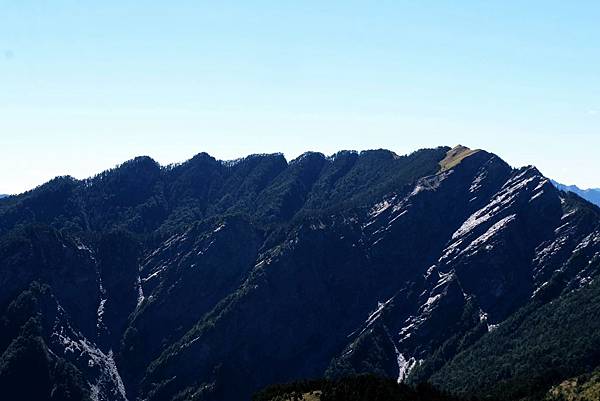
(211, 280)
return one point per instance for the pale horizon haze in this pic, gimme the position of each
(87, 85)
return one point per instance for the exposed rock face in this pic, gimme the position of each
(209, 280)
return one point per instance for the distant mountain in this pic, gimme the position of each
(210, 280)
(3, 196)
(591, 195)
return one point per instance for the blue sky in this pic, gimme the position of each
(85, 85)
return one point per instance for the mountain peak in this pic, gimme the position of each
(455, 156)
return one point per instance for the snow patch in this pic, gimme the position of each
(537, 195)
(379, 208)
(490, 233)
(376, 314)
(428, 306)
(108, 384)
(591, 239)
(492, 327)
(476, 184)
(504, 199)
(219, 228)
(100, 314)
(140, 297)
(544, 284)
(405, 366)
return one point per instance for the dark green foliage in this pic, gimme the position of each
(281, 392)
(23, 308)
(290, 189)
(28, 371)
(373, 353)
(43, 254)
(537, 347)
(351, 179)
(118, 252)
(446, 352)
(354, 388)
(208, 280)
(155, 201)
(140, 196)
(51, 203)
(24, 361)
(68, 383)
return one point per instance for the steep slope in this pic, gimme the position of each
(582, 388)
(473, 263)
(26, 357)
(210, 280)
(537, 347)
(62, 318)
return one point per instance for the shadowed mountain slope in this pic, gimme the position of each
(209, 280)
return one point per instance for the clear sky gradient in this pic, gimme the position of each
(85, 85)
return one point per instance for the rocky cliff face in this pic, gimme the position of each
(209, 280)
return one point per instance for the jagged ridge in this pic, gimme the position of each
(212, 279)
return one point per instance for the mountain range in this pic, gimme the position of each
(209, 279)
(591, 194)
